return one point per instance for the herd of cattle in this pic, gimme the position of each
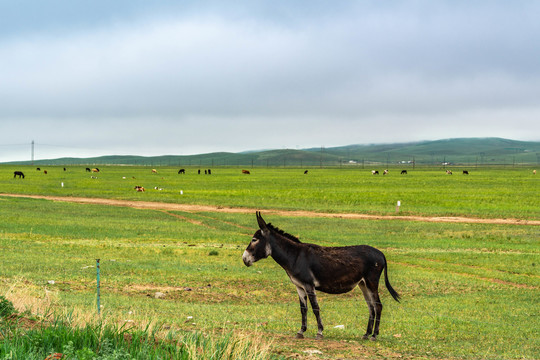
(404, 172)
(20, 174)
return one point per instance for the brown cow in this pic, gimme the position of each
(246, 172)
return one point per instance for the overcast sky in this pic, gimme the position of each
(101, 77)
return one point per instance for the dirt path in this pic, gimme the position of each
(299, 213)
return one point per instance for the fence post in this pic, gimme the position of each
(98, 297)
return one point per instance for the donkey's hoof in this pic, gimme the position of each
(319, 337)
(373, 338)
(365, 337)
(299, 336)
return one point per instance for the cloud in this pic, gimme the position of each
(305, 74)
(212, 66)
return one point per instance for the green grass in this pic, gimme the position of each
(492, 193)
(462, 285)
(102, 341)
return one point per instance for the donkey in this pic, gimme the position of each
(333, 270)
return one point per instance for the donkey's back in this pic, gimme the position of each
(337, 270)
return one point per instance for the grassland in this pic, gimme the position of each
(469, 291)
(492, 193)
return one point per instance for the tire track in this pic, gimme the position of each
(469, 275)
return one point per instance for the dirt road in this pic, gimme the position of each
(299, 213)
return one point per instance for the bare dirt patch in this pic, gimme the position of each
(292, 348)
(297, 213)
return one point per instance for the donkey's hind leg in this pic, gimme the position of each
(375, 308)
(367, 296)
(378, 311)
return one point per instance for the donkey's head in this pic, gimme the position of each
(259, 247)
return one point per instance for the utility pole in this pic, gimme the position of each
(32, 152)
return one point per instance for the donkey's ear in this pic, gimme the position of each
(260, 221)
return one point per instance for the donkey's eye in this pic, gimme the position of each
(254, 240)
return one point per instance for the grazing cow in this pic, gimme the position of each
(534, 172)
(465, 172)
(199, 171)
(38, 169)
(246, 172)
(403, 172)
(385, 172)
(139, 188)
(154, 171)
(305, 172)
(88, 170)
(45, 172)
(96, 170)
(332, 270)
(209, 172)
(448, 172)
(19, 174)
(374, 172)
(182, 171)
(64, 169)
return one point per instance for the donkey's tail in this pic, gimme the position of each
(393, 292)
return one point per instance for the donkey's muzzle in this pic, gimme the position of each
(248, 258)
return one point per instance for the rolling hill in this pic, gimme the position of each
(466, 151)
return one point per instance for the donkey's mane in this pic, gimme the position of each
(283, 233)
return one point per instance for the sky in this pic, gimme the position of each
(133, 77)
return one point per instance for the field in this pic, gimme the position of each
(470, 290)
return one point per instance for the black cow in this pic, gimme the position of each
(19, 174)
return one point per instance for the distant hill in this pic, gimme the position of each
(465, 151)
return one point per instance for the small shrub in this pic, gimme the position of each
(213, 253)
(167, 252)
(6, 307)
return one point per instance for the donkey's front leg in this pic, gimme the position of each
(316, 310)
(302, 296)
